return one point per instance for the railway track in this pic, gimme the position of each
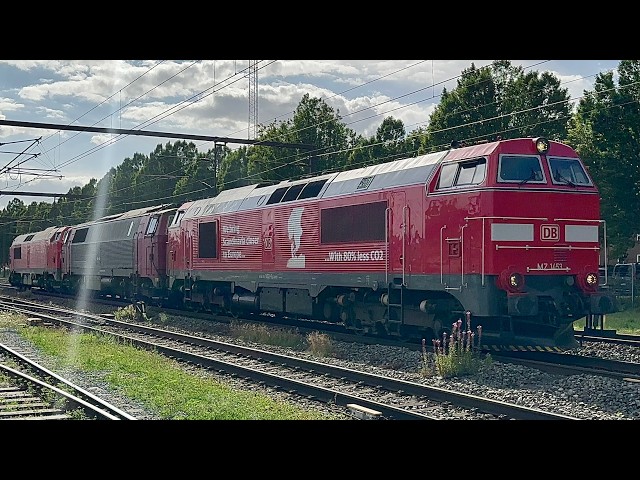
(364, 395)
(335, 330)
(552, 362)
(28, 391)
(567, 364)
(607, 336)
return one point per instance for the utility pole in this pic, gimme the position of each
(253, 100)
(216, 150)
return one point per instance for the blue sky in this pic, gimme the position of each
(206, 97)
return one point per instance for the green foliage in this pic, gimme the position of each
(129, 313)
(316, 343)
(78, 414)
(605, 131)
(499, 99)
(124, 314)
(626, 321)
(388, 144)
(455, 355)
(464, 112)
(233, 170)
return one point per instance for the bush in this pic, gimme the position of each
(129, 313)
(319, 344)
(456, 354)
(258, 333)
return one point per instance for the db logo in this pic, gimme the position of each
(550, 233)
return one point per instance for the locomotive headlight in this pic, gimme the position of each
(591, 279)
(588, 281)
(511, 280)
(542, 145)
(516, 281)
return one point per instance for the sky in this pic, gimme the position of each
(206, 97)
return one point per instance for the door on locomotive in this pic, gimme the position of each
(397, 259)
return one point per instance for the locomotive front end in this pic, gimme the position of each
(542, 244)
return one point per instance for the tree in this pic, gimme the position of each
(498, 100)
(316, 123)
(469, 112)
(156, 180)
(606, 133)
(388, 144)
(200, 176)
(275, 164)
(233, 170)
(313, 123)
(120, 192)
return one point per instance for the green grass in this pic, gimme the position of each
(626, 321)
(158, 382)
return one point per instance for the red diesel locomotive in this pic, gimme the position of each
(36, 258)
(506, 232)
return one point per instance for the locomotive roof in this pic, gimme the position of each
(407, 171)
(42, 234)
(132, 213)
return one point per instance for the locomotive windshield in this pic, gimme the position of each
(568, 171)
(520, 168)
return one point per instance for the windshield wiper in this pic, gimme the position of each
(565, 180)
(531, 177)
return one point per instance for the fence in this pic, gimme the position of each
(624, 280)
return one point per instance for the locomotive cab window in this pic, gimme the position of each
(208, 240)
(471, 173)
(521, 169)
(17, 253)
(462, 174)
(447, 175)
(568, 171)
